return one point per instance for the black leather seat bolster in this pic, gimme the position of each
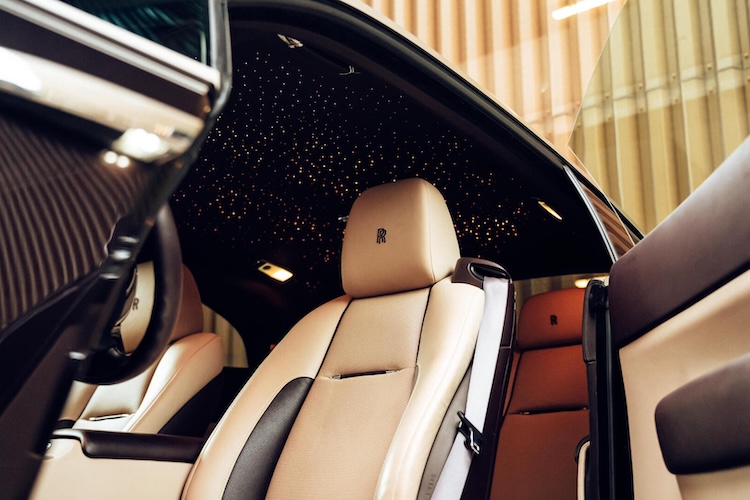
(120, 445)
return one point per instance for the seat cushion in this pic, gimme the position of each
(536, 458)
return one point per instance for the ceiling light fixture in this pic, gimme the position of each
(577, 8)
(549, 210)
(276, 272)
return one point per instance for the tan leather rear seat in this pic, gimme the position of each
(178, 394)
(547, 408)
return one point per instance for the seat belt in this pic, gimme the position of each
(468, 440)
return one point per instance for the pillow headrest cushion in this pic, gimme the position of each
(551, 319)
(399, 237)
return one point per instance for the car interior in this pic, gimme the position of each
(348, 214)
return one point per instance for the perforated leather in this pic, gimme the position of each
(386, 361)
(148, 402)
(547, 412)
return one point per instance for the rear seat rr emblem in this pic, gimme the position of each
(381, 236)
(553, 320)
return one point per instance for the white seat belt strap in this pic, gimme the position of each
(468, 441)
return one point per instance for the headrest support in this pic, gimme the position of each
(190, 313)
(551, 319)
(399, 237)
(189, 316)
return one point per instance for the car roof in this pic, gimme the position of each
(307, 128)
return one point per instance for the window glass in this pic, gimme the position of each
(181, 25)
(667, 103)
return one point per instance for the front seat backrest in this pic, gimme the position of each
(176, 395)
(348, 404)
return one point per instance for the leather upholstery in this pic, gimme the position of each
(547, 411)
(133, 327)
(551, 319)
(385, 362)
(399, 237)
(146, 403)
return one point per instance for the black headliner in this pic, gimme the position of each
(298, 141)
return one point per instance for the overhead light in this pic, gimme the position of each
(549, 210)
(577, 8)
(290, 42)
(276, 272)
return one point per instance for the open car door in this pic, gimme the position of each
(666, 338)
(103, 107)
(669, 359)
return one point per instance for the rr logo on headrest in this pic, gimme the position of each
(381, 236)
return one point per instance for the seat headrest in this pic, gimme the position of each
(189, 316)
(399, 237)
(551, 319)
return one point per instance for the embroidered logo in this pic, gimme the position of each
(381, 236)
(553, 320)
(135, 303)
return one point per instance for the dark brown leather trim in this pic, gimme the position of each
(129, 446)
(703, 426)
(699, 247)
(472, 271)
(195, 416)
(254, 468)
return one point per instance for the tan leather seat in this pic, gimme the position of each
(348, 404)
(547, 410)
(178, 394)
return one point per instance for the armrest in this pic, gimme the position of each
(703, 426)
(121, 445)
(90, 465)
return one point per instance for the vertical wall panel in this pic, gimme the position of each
(684, 64)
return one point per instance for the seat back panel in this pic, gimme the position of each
(377, 334)
(547, 412)
(341, 436)
(550, 379)
(253, 471)
(299, 354)
(346, 424)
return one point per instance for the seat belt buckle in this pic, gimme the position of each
(474, 437)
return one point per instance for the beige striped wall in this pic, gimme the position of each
(685, 86)
(684, 94)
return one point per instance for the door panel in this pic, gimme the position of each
(707, 336)
(678, 310)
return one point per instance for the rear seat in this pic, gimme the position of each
(547, 405)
